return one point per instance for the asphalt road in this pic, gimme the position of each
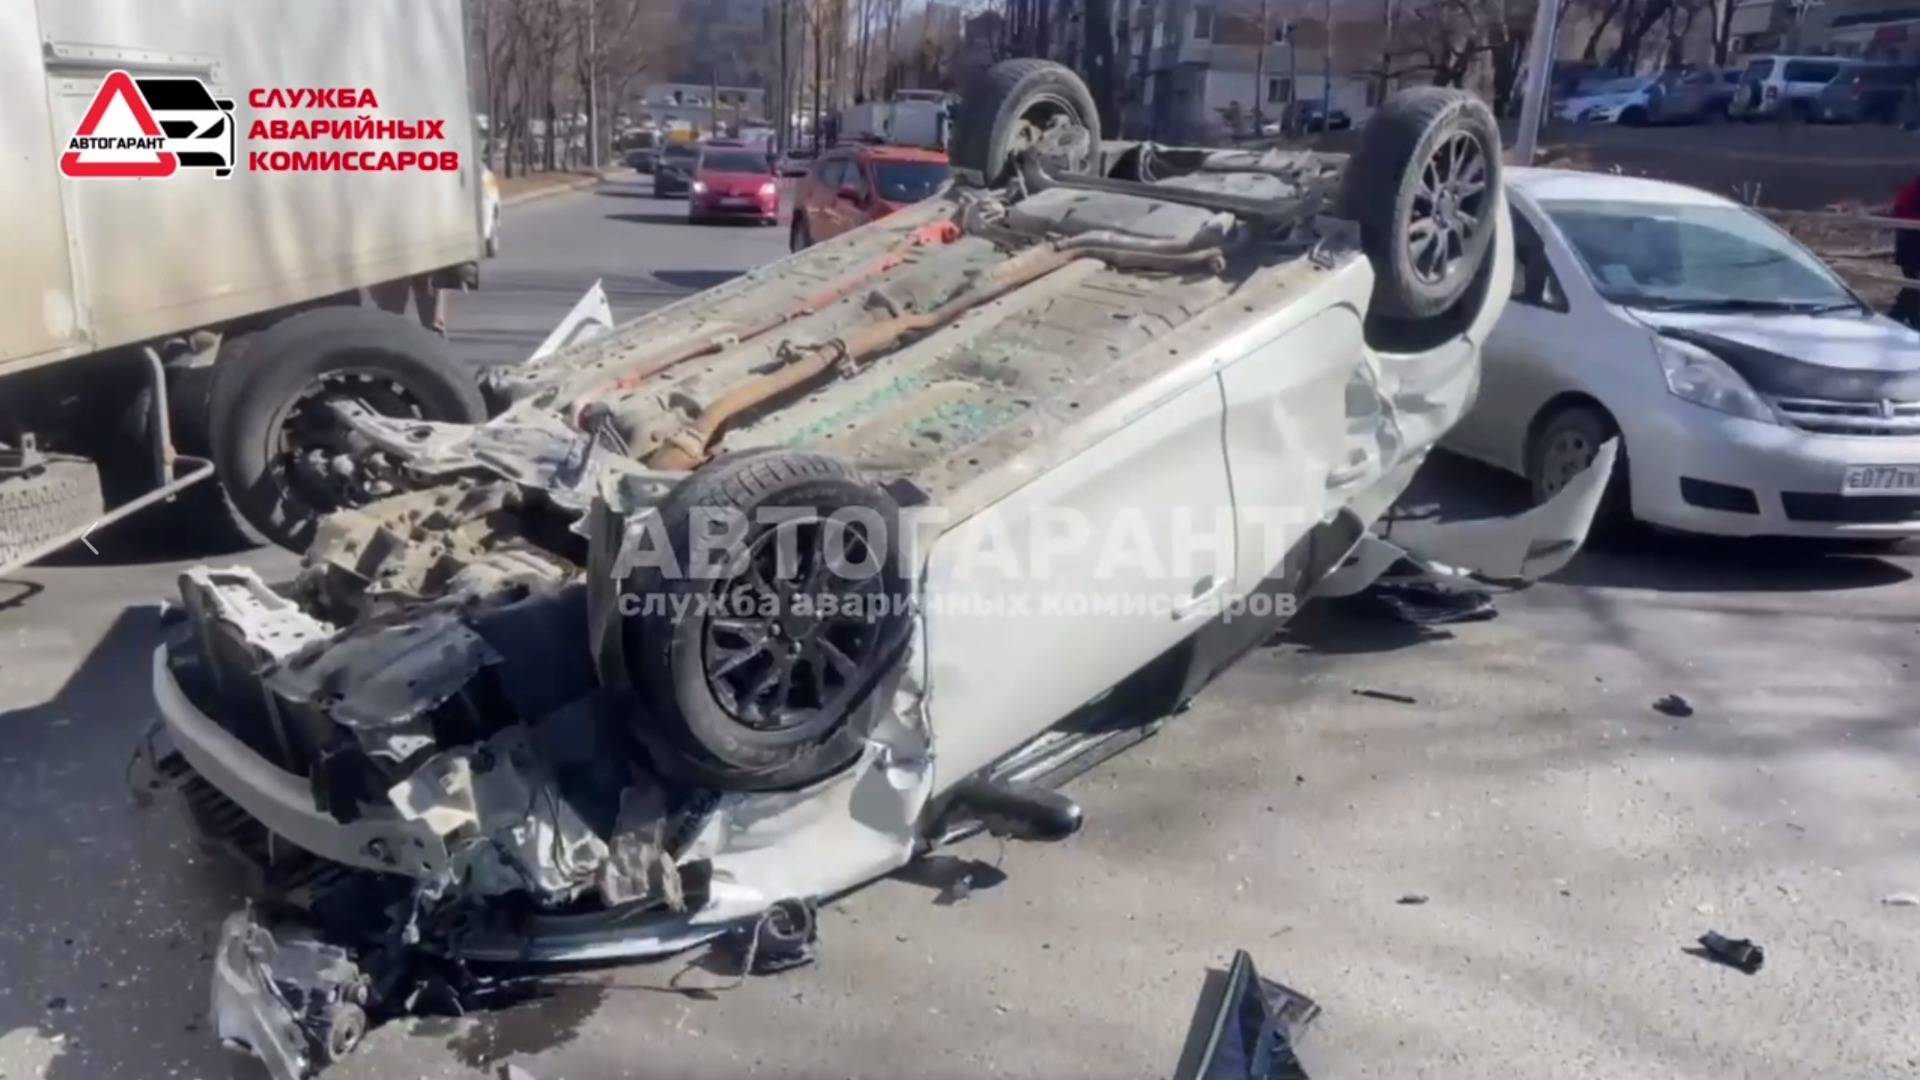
(553, 249)
(1570, 841)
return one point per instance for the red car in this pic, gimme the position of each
(852, 185)
(733, 183)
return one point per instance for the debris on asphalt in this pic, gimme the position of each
(1387, 695)
(1412, 899)
(1245, 1027)
(783, 937)
(1733, 952)
(56, 1004)
(1673, 705)
(1901, 899)
(1423, 603)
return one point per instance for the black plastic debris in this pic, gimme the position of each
(1423, 603)
(1733, 952)
(1387, 695)
(1412, 900)
(783, 937)
(1673, 705)
(1245, 1028)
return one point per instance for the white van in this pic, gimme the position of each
(1771, 83)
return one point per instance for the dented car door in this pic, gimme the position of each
(1045, 600)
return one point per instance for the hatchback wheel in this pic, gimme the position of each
(1562, 447)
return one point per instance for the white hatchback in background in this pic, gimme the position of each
(1628, 99)
(1756, 394)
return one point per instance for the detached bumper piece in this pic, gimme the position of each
(1246, 1028)
(286, 997)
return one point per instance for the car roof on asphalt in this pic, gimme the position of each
(1550, 184)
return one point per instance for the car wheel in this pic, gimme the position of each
(761, 672)
(800, 237)
(38, 507)
(1019, 105)
(1564, 444)
(1423, 185)
(274, 443)
(1634, 117)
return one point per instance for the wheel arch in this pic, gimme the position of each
(1554, 406)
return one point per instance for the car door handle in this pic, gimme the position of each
(1200, 599)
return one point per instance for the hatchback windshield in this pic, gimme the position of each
(680, 153)
(734, 161)
(908, 181)
(1701, 257)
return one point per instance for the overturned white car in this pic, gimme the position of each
(762, 596)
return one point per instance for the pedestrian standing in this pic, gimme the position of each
(1906, 253)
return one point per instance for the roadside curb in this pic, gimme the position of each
(556, 189)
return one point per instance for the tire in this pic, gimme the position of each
(711, 718)
(800, 237)
(36, 507)
(1384, 180)
(1574, 434)
(389, 360)
(1634, 117)
(1008, 106)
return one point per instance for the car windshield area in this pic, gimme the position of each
(734, 161)
(680, 154)
(1612, 85)
(1694, 257)
(908, 181)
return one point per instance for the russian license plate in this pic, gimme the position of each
(736, 200)
(1881, 480)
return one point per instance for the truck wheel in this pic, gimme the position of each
(1423, 186)
(51, 501)
(759, 671)
(275, 446)
(1026, 104)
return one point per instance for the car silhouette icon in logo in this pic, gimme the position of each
(151, 127)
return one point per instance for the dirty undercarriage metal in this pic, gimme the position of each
(449, 725)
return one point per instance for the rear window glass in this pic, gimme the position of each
(734, 161)
(908, 181)
(681, 151)
(1811, 71)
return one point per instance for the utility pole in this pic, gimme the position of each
(593, 84)
(1386, 59)
(1293, 74)
(781, 133)
(1326, 76)
(1260, 71)
(1540, 51)
(819, 61)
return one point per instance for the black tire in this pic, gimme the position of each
(1008, 106)
(1634, 116)
(205, 511)
(800, 237)
(1412, 137)
(36, 507)
(703, 674)
(1572, 435)
(387, 360)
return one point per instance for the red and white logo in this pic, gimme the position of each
(151, 127)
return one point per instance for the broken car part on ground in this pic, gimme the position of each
(521, 704)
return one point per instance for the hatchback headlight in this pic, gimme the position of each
(768, 189)
(1696, 375)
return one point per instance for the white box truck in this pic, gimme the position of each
(213, 210)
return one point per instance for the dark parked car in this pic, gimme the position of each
(1314, 116)
(673, 172)
(1870, 93)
